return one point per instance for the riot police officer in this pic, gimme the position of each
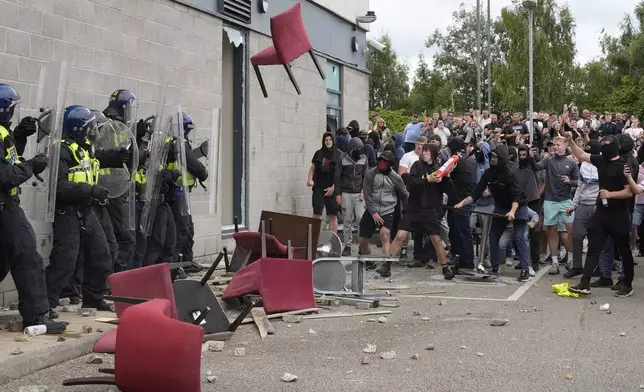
(120, 107)
(18, 253)
(77, 228)
(196, 171)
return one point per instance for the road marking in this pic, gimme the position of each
(526, 286)
(446, 297)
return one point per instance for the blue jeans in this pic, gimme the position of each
(460, 236)
(519, 237)
(606, 260)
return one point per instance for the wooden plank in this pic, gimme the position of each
(259, 316)
(249, 320)
(108, 320)
(335, 315)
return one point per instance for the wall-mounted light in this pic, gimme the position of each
(369, 18)
(262, 5)
(355, 45)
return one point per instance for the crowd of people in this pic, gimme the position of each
(92, 233)
(550, 190)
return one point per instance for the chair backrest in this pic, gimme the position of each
(252, 240)
(155, 352)
(149, 282)
(289, 34)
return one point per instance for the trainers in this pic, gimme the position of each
(509, 262)
(53, 315)
(101, 306)
(447, 273)
(346, 251)
(385, 269)
(571, 273)
(581, 288)
(415, 263)
(602, 282)
(554, 270)
(625, 291)
(531, 271)
(536, 266)
(430, 265)
(53, 327)
(525, 276)
(370, 265)
(618, 285)
(74, 300)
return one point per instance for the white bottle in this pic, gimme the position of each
(605, 202)
(35, 330)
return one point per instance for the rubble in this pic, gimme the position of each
(86, 312)
(240, 352)
(604, 307)
(290, 318)
(441, 302)
(388, 355)
(416, 313)
(363, 305)
(99, 330)
(70, 308)
(382, 320)
(365, 360)
(71, 334)
(61, 339)
(415, 356)
(15, 351)
(370, 349)
(63, 302)
(312, 332)
(244, 344)
(87, 329)
(622, 334)
(95, 360)
(211, 379)
(430, 347)
(212, 345)
(371, 320)
(480, 354)
(269, 327)
(288, 377)
(21, 338)
(463, 347)
(14, 325)
(498, 322)
(425, 319)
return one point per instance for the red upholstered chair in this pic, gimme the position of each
(249, 249)
(283, 284)
(147, 282)
(290, 41)
(154, 352)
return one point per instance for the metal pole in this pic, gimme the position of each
(478, 54)
(531, 70)
(489, 58)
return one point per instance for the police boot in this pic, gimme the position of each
(385, 269)
(74, 300)
(101, 307)
(53, 314)
(53, 327)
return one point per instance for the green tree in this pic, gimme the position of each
(396, 120)
(389, 83)
(431, 90)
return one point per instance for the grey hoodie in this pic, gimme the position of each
(381, 191)
(350, 173)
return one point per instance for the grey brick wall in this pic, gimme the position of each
(135, 44)
(355, 96)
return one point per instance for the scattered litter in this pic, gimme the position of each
(371, 320)
(370, 349)
(34, 388)
(416, 313)
(608, 312)
(382, 320)
(604, 307)
(61, 339)
(87, 329)
(425, 319)
(415, 356)
(389, 280)
(523, 310)
(94, 360)
(71, 334)
(467, 312)
(212, 345)
(291, 318)
(441, 302)
(388, 355)
(244, 343)
(480, 354)
(642, 386)
(15, 351)
(288, 377)
(21, 338)
(388, 292)
(593, 303)
(622, 334)
(365, 361)
(463, 347)
(569, 377)
(211, 379)
(64, 301)
(562, 290)
(312, 332)
(430, 347)
(70, 308)
(498, 322)
(240, 352)
(99, 330)
(208, 373)
(86, 312)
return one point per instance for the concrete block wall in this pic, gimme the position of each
(355, 96)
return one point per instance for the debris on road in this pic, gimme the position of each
(240, 352)
(463, 347)
(99, 330)
(467, 312)
(21, 338)
(388, 355)
(382, 320)
(569, 377)
(430, 347)
(604, 307)
(622, 334)
(365, 360)
(71, 308)
(291, 318)
(72, 334)
(94, 360)
(288, 377)
(370, 349)
(15, 351)
(312, 332)
(372, 320)
(415, 356)
(416, 313)
(86, 312)
(441, 302)
(480, 354)
(211, 379)
(61, 339)
(64, 301)
(87, 329)
(14, 325)
(244, 343)
(498, 322)
(425, 319)
(212, 345)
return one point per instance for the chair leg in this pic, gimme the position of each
(317, 64)
(107, 380)
(289, 71)
(261, 81)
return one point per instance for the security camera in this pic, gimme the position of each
(379, 46)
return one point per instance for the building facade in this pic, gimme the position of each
(203, 47)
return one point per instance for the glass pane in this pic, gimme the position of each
(333, 76)
(333, 100)
(332, 112)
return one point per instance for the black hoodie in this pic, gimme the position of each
(423, 194)
(501, 182)
(325, 160)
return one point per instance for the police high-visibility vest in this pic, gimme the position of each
(172, 165)
(87, 168)
(11, 154)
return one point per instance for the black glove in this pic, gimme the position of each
(26, 128)
(169, 176)
(142, 128)
(38, 163)
(172, 155)
(99, 192)
(125, 156)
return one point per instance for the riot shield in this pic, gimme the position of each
(158, 148)
(213, 161)
(52, 91)
(114, 135)
(134, 166)
(182, 188)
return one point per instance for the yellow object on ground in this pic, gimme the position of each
(562, 290)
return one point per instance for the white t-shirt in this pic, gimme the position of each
(634, 133)
(408, 160)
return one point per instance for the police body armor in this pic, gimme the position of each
(11, 154)
(87, 168)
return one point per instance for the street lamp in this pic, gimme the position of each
(531, 5)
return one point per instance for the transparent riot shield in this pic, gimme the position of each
(158, 148)
(114, 135)
(213, 161)
(52, 91)
(182, 188)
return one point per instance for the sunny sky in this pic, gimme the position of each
(409, 22)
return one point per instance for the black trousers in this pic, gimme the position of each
(141, 239)
(19, 255)
(162, 239)
(535, 234)
(78, 233)
(74, 287)
(185, 233)
(118, 209)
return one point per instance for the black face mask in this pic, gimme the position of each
(480, 156)
(355, 154)
(523, 162)
(610, 150)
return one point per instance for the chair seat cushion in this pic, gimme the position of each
(267, 56)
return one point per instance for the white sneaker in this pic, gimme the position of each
(509, 262)
(531, 271)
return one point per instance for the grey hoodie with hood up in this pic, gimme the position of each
(382, 189)
(350, 173)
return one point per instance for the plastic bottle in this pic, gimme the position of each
(448, 166)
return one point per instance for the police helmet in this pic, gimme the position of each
(188, 124)
(119, 101)
(9, 98)
(92, 134)
(78, 121)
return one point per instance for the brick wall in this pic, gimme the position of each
(355, 97)
(135, 44)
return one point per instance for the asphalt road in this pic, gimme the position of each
(549, 343)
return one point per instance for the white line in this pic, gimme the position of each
(526, 286)
(446, 297)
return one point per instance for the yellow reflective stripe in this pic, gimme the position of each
(87, 170)
(11, 155)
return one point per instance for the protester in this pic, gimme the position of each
(321, 179)
(412, 133)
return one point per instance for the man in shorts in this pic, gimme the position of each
(562, 174)
(381, 188)
(322, 178)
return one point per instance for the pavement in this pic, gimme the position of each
(549, 343)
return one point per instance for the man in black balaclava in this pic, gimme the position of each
(349, 177)
(509, 200)
(353, 128)
(612, 216)
(322, 178)
(527, 179)
(513, 155)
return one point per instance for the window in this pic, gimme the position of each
(334, 96)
